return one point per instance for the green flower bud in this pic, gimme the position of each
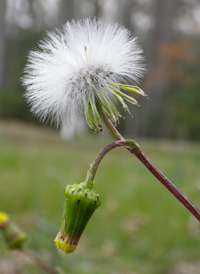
(80, 203)
(13, 235)
(4, 219)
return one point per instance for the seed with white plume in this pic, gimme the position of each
(79, 68)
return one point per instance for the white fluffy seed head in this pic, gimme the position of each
(77, 65)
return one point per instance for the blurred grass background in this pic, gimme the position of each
(139, 228)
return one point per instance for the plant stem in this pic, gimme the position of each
(93, 169)
(167, 183)
(31, 256)
(111, 128)
(154, 170)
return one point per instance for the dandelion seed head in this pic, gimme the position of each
(77, 66)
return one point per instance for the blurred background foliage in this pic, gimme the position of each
(167, 30)
(140, 228)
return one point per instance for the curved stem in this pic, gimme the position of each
(38, 261)
(129, 144)
(154, 170)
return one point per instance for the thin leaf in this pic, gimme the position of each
(129, 88)
(120, 99)
(92, 123)
(125, 96)
(95, 113)
(109, 107)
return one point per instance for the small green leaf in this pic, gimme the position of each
(108, 106)
(89, 115)
(120, 99)
(130, 88)
(125, 96)
(95, 114)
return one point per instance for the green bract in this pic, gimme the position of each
(96, 102)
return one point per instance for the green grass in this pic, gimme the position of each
(139, 228)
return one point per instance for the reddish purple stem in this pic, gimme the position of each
(166, 182)
(156, 172)
(135, 149)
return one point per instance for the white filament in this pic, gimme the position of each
(76, 61)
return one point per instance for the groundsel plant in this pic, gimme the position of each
(83, 67)
(86, 67)
(15, 238)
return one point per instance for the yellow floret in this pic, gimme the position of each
(3, 218)
(65, 247)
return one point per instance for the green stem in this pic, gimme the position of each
(108, 123)
(129, 144)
